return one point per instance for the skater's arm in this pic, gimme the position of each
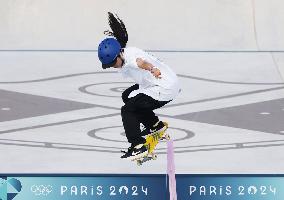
(143, 64)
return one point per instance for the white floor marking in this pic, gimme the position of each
(5, 109)
(265, 113)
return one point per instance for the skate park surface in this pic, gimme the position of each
(60, 112)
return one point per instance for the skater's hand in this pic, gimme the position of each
(156, 72)
(143, 64)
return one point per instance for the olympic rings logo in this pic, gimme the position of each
(41, 190)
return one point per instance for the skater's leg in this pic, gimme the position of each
(139, 109)
(147, 116)
(131, 122)
(131, 112)
(151, 126)
(128, 125)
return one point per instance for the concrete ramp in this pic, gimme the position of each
(60, 112)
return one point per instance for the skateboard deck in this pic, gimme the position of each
(152, 140)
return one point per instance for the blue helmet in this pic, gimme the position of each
(108, 50)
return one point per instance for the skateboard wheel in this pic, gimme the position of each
(167, 136)
(139, 162)
(154, 157)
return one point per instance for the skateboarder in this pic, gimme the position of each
(156, 85)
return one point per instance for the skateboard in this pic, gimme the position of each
(152, 140)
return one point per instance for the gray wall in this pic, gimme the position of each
(152, 24)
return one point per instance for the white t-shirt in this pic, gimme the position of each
(164, 89)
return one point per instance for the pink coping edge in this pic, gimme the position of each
(171, 170)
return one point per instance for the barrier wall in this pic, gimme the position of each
(209, 25)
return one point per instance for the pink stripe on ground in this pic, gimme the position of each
(171, 170)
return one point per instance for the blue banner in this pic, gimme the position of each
(222, 187)
(138, 187)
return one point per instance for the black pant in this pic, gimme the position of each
(138, 109)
